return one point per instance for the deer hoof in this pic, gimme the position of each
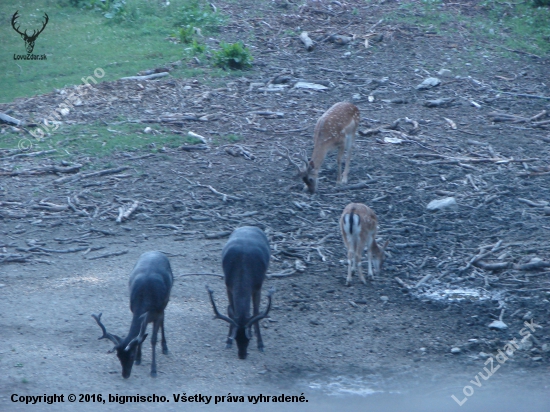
(137, 361)
(153, 374)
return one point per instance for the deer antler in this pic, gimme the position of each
(13, 19)
(302, 157)
(35, 33)
(113, 338)
(217, 314)
(261, 315)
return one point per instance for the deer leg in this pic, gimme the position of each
(349, 143)
(137, 361)
(359, 270)
(371, 273)
(156, 325)
(339, 160)
(164, 345)
(351, 266)
(229, 341)
(256, 296)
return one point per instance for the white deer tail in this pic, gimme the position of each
(352, 228)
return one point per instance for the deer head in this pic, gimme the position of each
(126, 349)
(29, 40)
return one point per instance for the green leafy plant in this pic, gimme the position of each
(197, 47)
(233, 56)
(198, 13)
(186, 34)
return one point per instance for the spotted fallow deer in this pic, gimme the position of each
(335, 129)
(358, 225)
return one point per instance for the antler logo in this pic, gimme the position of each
(29, 40)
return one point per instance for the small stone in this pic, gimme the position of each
(498, 324)
(444, 73)
(528, 316)
(525, 344)
(536, 358)
(545, 347)
(2, 285)
(440, 204)
(456, 350)
(147, 130)
(422, 349)
(384, 299)
(356, 96)
(484, 355)
(428, 83)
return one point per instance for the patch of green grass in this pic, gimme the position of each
(97, 139)
(233, 56)
(233, 138)
(79, 39)
(517, 26)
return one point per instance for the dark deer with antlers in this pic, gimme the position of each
(150, 284)
(245, 259)
(29, 40)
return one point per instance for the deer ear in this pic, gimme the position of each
(142, 339)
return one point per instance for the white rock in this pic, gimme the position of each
(384, 299)
(444, 73)
(498, 324)
(147, 130)
(356, 96)
(428, 83)
(307, 85)
(64, 111)
(440, 204)
(455, 350)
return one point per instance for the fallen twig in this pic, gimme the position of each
(148, 77)
(123, 252)
(125, 212)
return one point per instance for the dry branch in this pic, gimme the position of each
(148, 77)
(122, 252)
(8, 119)
(125, 212)
(43, 170)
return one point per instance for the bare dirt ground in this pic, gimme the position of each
(54, 225)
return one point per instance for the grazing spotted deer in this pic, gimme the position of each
(245, 259)
(150, 284)
(358, 225)
(335, 129)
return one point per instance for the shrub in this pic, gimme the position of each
(233, 56)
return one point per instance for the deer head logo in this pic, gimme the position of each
(29, 40)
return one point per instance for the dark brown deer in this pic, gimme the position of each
(29, 40)
(245, 259)
(150, 284)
